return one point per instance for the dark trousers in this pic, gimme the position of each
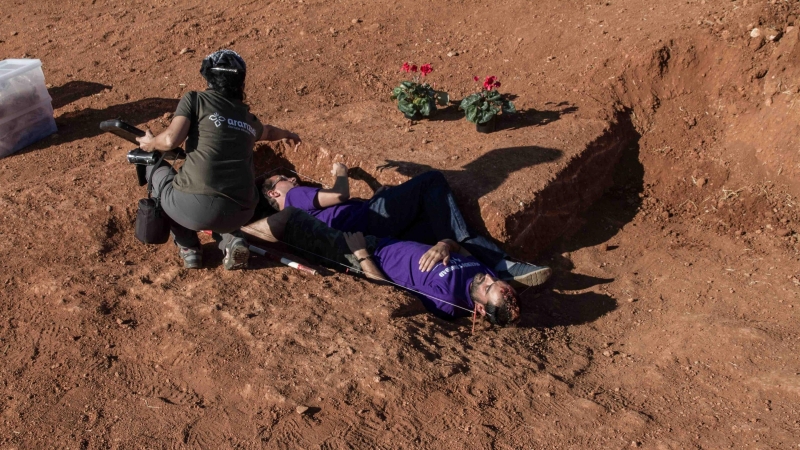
(190, 213)
(424, 210)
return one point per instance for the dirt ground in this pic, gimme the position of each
(671, 322)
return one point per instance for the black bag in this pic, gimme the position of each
(152, 224)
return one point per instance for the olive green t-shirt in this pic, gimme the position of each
(219, 148)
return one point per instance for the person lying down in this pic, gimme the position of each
(449, 282)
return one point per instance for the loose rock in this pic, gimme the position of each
(301, 409)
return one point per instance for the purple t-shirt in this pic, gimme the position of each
(442, 287)
(350, 216)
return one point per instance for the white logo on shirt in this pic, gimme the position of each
(457, 266)
(217, 119)
(235, 124)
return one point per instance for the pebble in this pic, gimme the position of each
(451, 54)
(301, 409)
(772, 34)
(701, 182)
(14, 33)
(355, 21)
(607, 353)
(783, 232)
(109, 208)
(185, 50)
(425, 141)
(755, 32)
(377, 379)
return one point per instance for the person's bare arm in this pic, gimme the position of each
(168, 139)
(271, 133)
(340, 192)
(358, 245)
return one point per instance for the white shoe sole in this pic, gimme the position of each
(237, 259)
(535, 278)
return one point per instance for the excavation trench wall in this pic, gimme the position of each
(524, 196)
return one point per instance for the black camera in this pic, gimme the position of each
(142, 159)
(139, 156)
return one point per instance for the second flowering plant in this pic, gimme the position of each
(483, 107)
(415, 97)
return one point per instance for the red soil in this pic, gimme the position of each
(672, 318)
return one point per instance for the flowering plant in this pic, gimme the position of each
(416, 97)
(482, 106)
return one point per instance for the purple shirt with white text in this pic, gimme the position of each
(442, 287)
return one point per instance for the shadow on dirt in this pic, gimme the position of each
(615, 209)
(552, 309)
(533, 117)
(601, 222)
(74, 90)
(481, 176)
(77, 125)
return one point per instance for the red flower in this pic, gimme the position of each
(425, 69)
(414, 68)
(475, 78)
(488, 83)
(497, 84)
(406, 68)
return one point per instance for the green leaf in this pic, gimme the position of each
(410, 85)
(469, 101)
(492, 96)
(425, 108)
(472, 113)
(443, 98)
(406, 107)
(486, 116)
(508, 108)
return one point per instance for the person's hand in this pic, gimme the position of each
(339, 170)
(439, 252)
(146, 141)
(293, 139)
(357, 244)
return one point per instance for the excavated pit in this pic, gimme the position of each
(524, 185)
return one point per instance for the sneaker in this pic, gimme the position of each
(526, 274)
(237, 253)
(192, 257)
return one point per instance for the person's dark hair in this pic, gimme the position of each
(225, 71)
(265, 188)
(498, 315)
